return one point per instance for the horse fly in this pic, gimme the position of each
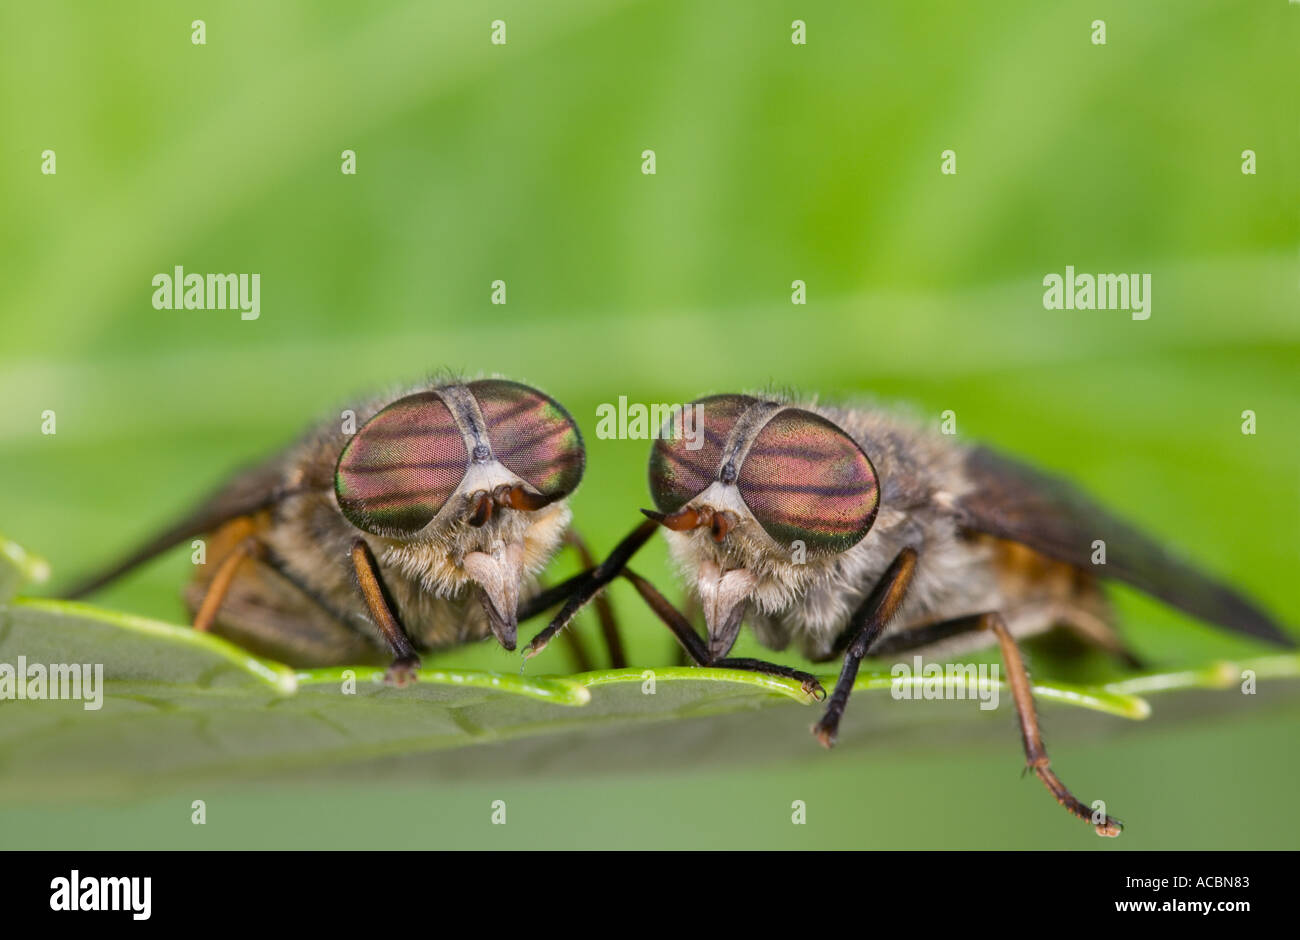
(853, 533)
(419, 524)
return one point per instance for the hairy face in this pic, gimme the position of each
(461, 482)
(773, 494)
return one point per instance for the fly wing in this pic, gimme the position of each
(246, 492)
(1016, 502)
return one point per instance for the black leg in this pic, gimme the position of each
(921, 637)
(696, 649)
(1035, 753)
(690, 640)
(605, 572)
(405, 663)
(807, 680)
(604, 609)
(866, 624)
(544, 600)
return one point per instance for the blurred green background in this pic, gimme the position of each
(775, 162)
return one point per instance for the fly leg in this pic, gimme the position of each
(1035, 753)
(697, 650)
(547, 598)
(865, 627)
(604, 610)
(406, 663)
(1021, 694)
(592, 584)
(544, 600)
(219, 586)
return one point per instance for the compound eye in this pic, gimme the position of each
(805, 480)
(686, 457)
(401, 467)
(532, 435)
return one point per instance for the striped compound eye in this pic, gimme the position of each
(401, 467)
(805, 480)
(677, 473)
(532, 435)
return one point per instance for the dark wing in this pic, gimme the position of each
(248, 491)
(1016, 502)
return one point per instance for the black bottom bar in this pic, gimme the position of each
(920, 891)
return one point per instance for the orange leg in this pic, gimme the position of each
(1035, 753)
(220, 584)
(406, 663)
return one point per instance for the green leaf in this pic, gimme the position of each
(178, 705)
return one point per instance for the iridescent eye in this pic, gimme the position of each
(401, 467)
(805, 480)
(679, 473)
(532, 435)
